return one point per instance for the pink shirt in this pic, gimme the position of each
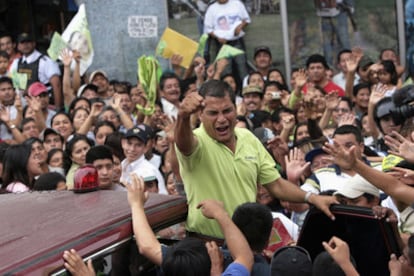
(17, 187)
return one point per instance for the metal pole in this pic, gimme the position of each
(285, 33)
(401, 31)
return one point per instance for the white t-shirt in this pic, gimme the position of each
(223, 19)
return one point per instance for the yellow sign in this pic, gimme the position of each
(172, 42)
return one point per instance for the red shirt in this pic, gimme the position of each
(329, 88)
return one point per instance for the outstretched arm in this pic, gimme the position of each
(184, 138)
(147, 243)
(238, 246)
(346, 158)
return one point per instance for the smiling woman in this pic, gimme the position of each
(20, 168)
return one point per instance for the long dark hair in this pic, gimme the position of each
(15, 162)
(67, 161)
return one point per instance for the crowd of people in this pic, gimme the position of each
(239, 145)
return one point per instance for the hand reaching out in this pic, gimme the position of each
(346, 119)
(377, 93)
(400, 146)
(176, 60)
(301, 78)
(332, 100)
(216, 258)
(295, 165)
(75, 264)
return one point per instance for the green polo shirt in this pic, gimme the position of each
(213, 171)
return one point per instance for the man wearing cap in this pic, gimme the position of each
(316, 67)
(39, 90)
(333, 177)
(262, 59)
(134, 147)
(252, 98)
(357, 191)
(100, 79)
(51, 139)
(38, 67)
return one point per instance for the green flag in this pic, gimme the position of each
(148, 77)
(19, 80)
(227, 51)
(202, 44)
(56, 46)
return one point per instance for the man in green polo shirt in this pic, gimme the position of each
(226, 163)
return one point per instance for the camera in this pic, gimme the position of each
(403, 100)
(276, 95)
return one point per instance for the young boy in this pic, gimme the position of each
(134, 147)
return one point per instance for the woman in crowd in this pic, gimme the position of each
(20, 167)
(75, 155)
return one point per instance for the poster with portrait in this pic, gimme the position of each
(78, 37)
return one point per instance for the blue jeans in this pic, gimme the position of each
(335, 36)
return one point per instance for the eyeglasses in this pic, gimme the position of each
(342, 110)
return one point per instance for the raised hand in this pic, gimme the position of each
(377, 93)
(66, 55)
(346, 119)
(301, 78)
(176, 60)
(295, 165)
(345, 158)
(400, 146)
(192, 103)
(136, 191)
(332, 100)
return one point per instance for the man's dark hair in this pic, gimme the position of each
(349, 129)
(97, 153)
(90, 86)
(255, 222)
(325, 265)
(4, 54)
(317, 58)
(343, 51)
(360, 86)
(218, 89)
(188, 257)
(99, 124)
(113, 141)
(385, 50)
(348, 101)
(277, 84)
(48, 181)
(165, 76)
(25, 121)
(6, 80)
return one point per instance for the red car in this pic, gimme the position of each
(37, 227)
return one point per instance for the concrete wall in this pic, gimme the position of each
(122, 31)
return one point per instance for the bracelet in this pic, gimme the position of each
(307, 196)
